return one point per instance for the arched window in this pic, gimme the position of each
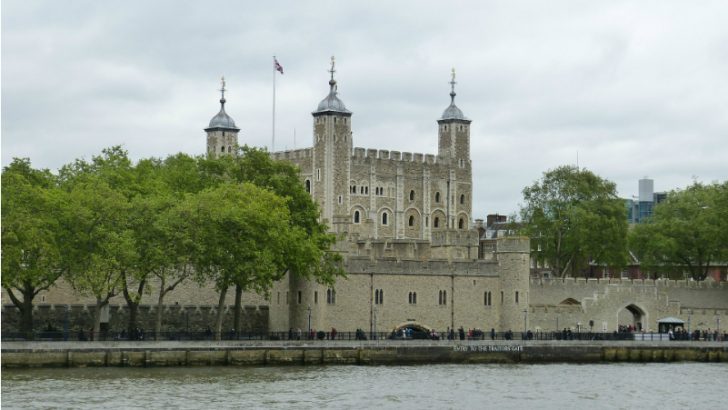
(378, 296)
(308, 186)
(436, 222)
(222, 149)
(356, 217)
(437, 197)
(230, 148)
(385, 216)
(461, 223)
(366, 190)
(411, 220)
(462, 198)
(412, 195)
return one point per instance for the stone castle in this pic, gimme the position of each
(404, 222)
(413, 255)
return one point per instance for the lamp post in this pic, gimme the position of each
(309, 321)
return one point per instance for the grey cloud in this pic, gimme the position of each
(635, 88)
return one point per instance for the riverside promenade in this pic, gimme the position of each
(375, 352)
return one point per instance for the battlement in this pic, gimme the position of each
(599, 283)
(518, 244)
(392, 266)
(292, 154)
(455, 237)
(360, 153)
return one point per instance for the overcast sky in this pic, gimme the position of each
(633, 88)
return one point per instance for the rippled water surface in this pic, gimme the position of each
(628, 386)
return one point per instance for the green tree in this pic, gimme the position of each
(309, 256)
(180, 176)
(97, 241)
(31, 256)
(687, 233)
(574, 218)
(239, 235)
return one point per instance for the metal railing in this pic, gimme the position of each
(295, 335)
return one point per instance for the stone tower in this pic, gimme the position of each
(513, 255)
(454, 145)
(332, 147)
(222, 134)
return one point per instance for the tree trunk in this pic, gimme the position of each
(132, 302)
(26, 312)
(96, 330)
(131, 325)
(220, 313)
(238, 309)
(160, 304)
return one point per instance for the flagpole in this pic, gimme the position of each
(273, 139)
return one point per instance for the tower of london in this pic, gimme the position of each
(404, 226)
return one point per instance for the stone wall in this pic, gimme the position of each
(609, 303)
(176, 318)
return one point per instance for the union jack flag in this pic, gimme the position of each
(277, 65)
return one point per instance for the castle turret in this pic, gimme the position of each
(513, 254)
(454, 146)
(332, 150)
(454, 141)
(222, 134)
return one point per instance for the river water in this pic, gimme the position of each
(593, 386)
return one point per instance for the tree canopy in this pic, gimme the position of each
(31, 240)
(110, 225)
(575, 219)
(687, 233)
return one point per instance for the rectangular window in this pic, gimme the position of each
(516, 297)
(278, 298)
(318, 174)
(299, 297)
(315, 297)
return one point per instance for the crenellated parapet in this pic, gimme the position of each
(292, 155)
(361, 155)
(363, 265)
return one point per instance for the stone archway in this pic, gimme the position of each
(632, 315)
(413, 330)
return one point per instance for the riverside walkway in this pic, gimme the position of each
(361, 352)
